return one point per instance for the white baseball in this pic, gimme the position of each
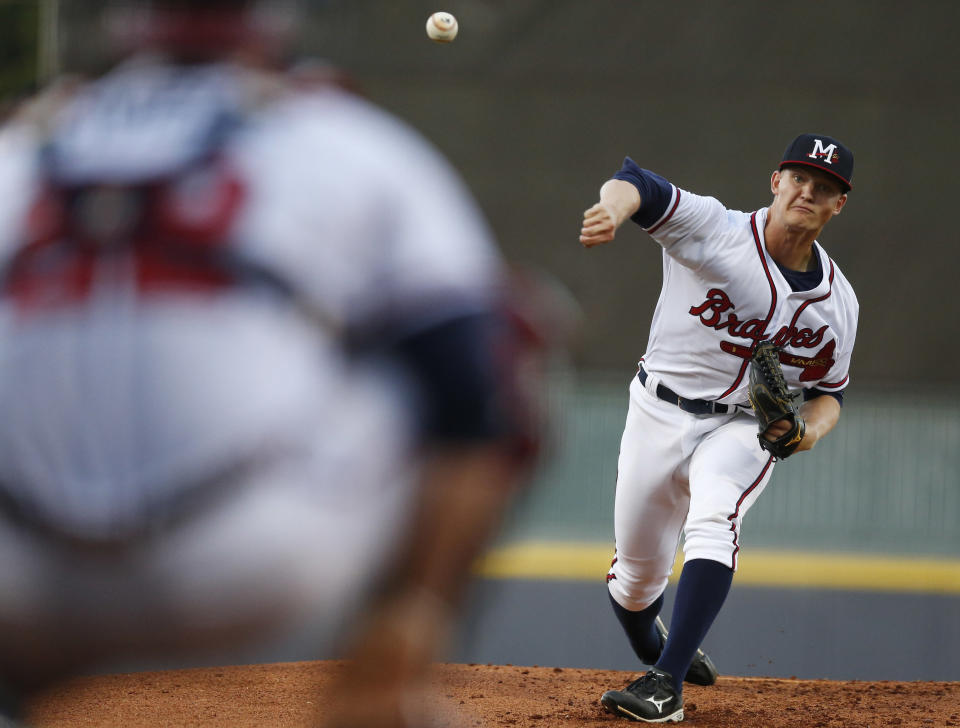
(442, 27)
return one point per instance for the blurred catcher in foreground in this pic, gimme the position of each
(248, 382)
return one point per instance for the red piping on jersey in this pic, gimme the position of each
(732, 517)
(610, 575)
(833, 385)
(773, 303)
(796, 316)
(669, 214)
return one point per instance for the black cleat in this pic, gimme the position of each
(702, 671)
(649, 699)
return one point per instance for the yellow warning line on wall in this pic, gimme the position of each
(567, 561)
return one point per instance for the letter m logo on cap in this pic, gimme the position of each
(826, 153)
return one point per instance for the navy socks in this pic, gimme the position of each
(640, 630)
(702, 589)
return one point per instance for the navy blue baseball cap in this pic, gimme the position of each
(822, 152)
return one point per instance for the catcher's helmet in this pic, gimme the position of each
(205, 27)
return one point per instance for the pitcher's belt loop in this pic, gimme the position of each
(693, 406)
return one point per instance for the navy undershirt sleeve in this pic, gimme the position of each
(453, 366)
(655, 192)
(809, 394)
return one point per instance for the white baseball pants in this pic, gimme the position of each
(679, 473)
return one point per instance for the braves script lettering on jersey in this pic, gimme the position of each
(726, 293)
(689, 462)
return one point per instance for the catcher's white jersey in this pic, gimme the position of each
(185, 253)
(722, 292)
(128, 377)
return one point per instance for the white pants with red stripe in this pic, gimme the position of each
(679, 473)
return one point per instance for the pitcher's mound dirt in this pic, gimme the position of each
(283, 695)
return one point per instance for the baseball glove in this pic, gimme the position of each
(771, 401)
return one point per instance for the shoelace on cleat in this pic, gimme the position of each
(646, 684)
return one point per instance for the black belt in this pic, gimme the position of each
(693, 406)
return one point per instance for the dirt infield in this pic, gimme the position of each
(282, 695)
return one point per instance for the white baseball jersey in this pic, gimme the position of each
(183, 252)
(698, 474)
(722, 292)
(127, 375)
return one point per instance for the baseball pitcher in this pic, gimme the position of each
(753, 314)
